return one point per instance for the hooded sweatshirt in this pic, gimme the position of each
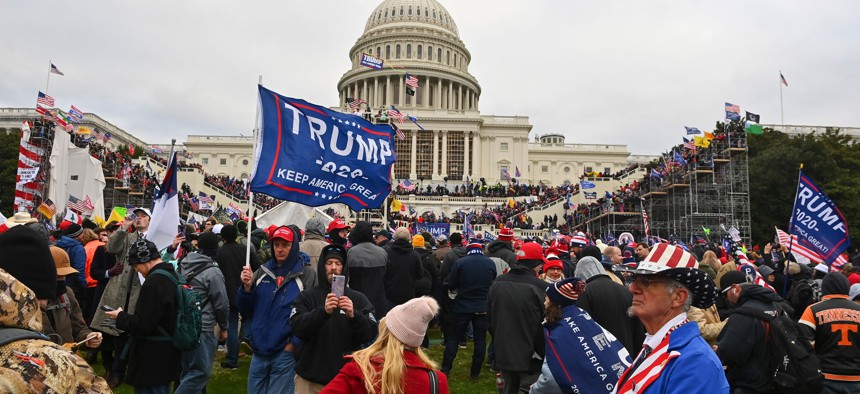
(61, 371)
(269, 303)
(203, 275)
(741, 344)
(367, 263)
(503, 250)
(404, 270)
(314, 239)
(589, 267)
(327, 338)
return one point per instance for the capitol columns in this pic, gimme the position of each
(434, 173)
(466, 154)
(477, 167)
(444, 169)
(413, 173)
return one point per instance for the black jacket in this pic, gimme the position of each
(430, 278)
(449, 261)
(741, 344)
(327, 338)
(152, 362)
(403, 271)
(607, 303)
(231, 261)
(502, 250)
(367, 263)
(515, 313)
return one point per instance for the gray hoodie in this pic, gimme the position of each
(588, 267)
(209, 284)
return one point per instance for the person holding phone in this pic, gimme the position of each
(332, 320)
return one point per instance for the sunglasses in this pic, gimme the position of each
(645, 281)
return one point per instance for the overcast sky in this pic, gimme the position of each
(632, 72)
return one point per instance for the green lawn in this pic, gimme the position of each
(233, 381)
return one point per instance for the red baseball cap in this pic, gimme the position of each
(284, 233)
(531, 251)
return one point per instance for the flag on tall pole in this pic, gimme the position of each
(55, 70)
(733, 112)
(45, 100)
(782, 79)
(647, 227)
(165, 212)
(817, 222)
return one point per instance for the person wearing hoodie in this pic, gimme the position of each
(337, 232)
(71, 243)
(367, 263)
(741, 344)
(607, 302)
(430, 266)
(203, 275)
(231, 261)
(330, 327)
(266, 296)
(403, 270)
(446, 301)
(834, 326)
(314, 240)
(503, 247)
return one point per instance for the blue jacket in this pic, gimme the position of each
(696, 370)
(78, 259)
(269, 305)
(471, 277)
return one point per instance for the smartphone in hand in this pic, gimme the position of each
(180, 231)
(338, 282)
(106, 308)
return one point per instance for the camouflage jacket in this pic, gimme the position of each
(36, 365)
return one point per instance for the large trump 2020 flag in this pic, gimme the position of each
(164, 224)
(817, 222)
(315, 156)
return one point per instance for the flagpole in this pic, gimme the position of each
(790, 225)
(48, 83)
(250, 193)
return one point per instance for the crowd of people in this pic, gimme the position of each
(567, 314)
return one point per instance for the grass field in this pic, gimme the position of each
(234, 381)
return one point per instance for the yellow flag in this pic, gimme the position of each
(511, 202)
(396, 205)
(709, 136)
(84, 130)
(117, 215)
(98, 220)
(702, 142)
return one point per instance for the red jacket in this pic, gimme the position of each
(417, 380)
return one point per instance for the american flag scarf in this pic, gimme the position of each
(650, 369)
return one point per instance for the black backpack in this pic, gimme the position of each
(803, 293)
(791, 357)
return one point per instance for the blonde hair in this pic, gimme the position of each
(388, 350)
(87, 236)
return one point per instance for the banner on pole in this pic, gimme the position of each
(315, 156)
(370, 61)
(817, 222)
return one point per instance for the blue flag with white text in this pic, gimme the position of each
(314, 156)
(817, 222)
(587, 185)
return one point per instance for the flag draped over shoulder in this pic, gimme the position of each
(312, 155)
(165, 212)
(817, 222)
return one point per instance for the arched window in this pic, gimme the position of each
(434, 14)
(386, 13)
(397, 52)
(401, 10)
(420, 55)
(388, 51)
(439, 55)
(409, 51)
(448, 57)
(410, 10)
(429, 52)
(426, 14)
(378, 52)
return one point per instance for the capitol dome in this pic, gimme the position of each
(428, 12)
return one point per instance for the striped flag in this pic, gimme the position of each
(411, 81)
(29, 157)
(80, 206)
(76, 113)
(354, 103)
(406, 185)
(45, 100)
(749, 268)
(782, 79)
(399, 133)
(810, 254)
(645, 218)
(395, 114)
(55, 70)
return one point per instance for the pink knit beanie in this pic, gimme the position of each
(408, 322)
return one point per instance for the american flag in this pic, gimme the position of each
(45, 99)
(399, 133)
(56, 70)
(411, 81)
(395, 114)
(645, 219)
(505, 174)
(78, 205)
(810, 254)
(782, 79)
(517, 172)
(406, 185)
(354, 103)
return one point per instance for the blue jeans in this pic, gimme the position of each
(234, 336)
(160, 389)
(197, 365)
(274, 374)
(460, 321)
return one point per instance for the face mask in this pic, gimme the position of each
(61, 287)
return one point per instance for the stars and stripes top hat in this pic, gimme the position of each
(676, 263)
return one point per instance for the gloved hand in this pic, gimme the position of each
(115, 270)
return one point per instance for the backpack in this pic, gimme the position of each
(792, 358)
(189, 319)
(12, 334)
(803, 293)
